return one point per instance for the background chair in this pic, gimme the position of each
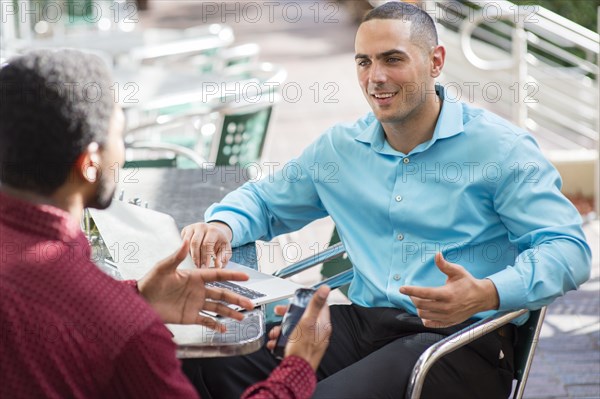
(234, 135)
(229, 128)
(242, 135)
(159, 155)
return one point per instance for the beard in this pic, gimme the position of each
(104, 193)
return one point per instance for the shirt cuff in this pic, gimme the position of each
(293, 378)
(512, 293)
(133, 284)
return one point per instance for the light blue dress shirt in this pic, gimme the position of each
(480, 191)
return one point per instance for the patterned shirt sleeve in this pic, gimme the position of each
(133, 284)
(292, 379)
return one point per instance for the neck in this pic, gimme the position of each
(416, 128)
(71, 203)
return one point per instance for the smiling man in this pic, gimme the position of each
(448, 213)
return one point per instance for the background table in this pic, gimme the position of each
(185, 194)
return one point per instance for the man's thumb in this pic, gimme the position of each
(318, 301)
(448, 268)
(176, 258)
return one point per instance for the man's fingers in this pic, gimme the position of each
(223, 310)
(280, 310)
(195, 239)
(210, 244)
(226, 253)
(434, 294)
(222, 255)
(207, 253)
(223, 275)
(274, 333)
(427, 304)
(432, 315)
(227, 296)
(218, 260)
(436, 323)
(206, 241)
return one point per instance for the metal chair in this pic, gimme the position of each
(337, 265)
(235, 135)
(527, 340)
(165, 155)
(242, 134)
(229, 128)
(527, 334)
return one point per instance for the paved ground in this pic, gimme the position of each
(319, 59)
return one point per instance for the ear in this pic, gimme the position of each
(438, 56)
(87, 165)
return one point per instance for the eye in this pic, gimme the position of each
(362, 62)
(393, 60)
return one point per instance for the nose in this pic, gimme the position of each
(377, 73)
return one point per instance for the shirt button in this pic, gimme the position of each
(400, 237)
(398, 198)
(397, 277)
(406, 160)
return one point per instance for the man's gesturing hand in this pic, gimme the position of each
(208, 241)
(179, 295)
(460, 298)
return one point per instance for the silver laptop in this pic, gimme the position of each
(137, 238)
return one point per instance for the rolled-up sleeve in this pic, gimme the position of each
(279, 203)
(545, 228)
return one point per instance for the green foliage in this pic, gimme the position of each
(584, 12)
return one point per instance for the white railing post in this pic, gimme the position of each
(519, 55)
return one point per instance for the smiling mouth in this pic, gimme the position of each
(382, 96)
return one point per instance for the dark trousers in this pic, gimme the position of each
(371, 355)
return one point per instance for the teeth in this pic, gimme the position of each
(384, 95)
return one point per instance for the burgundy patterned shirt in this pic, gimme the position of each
(69, 330)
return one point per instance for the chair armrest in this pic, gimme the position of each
(337, 281)
(332, 252)
(178, 149)
(452, 343)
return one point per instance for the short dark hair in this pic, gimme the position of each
(422, 27)
(54, 104)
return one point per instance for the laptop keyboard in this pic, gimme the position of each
(238, 289)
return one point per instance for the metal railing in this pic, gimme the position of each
(549, 62)
(546, 66)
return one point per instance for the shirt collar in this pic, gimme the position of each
(449, 123)
(40, 219)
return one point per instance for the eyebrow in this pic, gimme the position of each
(383, 55)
